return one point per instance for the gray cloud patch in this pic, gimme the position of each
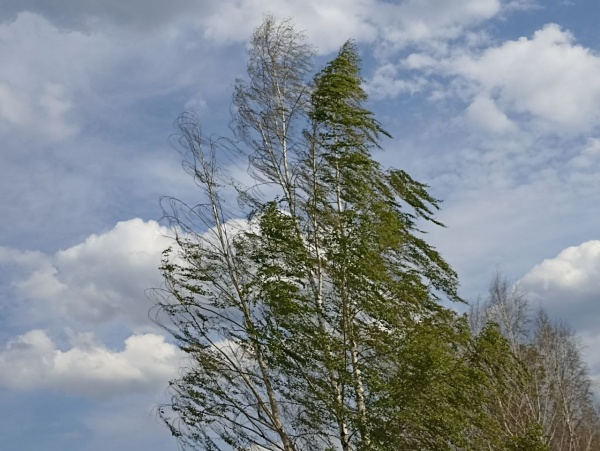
(85, 14)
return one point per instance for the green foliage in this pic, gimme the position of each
(532, 440)
(316, 323)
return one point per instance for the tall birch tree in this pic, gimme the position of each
(315, 322)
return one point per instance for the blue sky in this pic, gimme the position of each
(495, 104)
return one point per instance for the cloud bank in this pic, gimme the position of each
(32, 362)
(97, 281)
(393, 25)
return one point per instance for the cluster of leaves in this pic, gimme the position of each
(316, 323)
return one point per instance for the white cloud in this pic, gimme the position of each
(484, 112)
(548, 81)
(415, 21)
(549, 77)
(328, 24)
(100, 280)
(32, 361)
(385, 84)
(576, 268)
(196, 104)
(568, 285)
(25, 259)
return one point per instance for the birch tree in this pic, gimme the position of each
(228, 395)
(551, 388)
(311, 317)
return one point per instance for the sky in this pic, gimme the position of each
(493, 103)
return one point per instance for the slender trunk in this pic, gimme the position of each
(359, 390)
(273, 411)
(335, 384)
(348, 325)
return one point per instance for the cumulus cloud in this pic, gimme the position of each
(328, 24)
(384, 83)
(428, 21)
(484, 112)
(97, 281)
(568, 285)
(549, 76)
(547, 81)
(32, 361)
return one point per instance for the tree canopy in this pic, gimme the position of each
(315, 321)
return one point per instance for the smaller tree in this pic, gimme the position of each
(553, 394)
